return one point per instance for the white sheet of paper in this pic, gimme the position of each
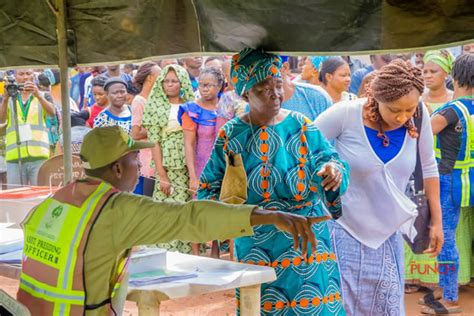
(26, 134)
(8, 235)
(6, 225)
(218, 278)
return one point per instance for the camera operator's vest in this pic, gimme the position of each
(38, 147)
(463, 171)
(52, 281)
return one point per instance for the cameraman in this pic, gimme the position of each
(28, 128)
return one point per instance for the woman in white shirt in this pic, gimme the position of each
(377, 137)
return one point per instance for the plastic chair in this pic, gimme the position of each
(51, 172)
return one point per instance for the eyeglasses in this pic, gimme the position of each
(207, 85)
(170, 81)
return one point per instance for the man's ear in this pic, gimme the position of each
(117, 169)
(315, 72)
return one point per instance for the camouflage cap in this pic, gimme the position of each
(105, 145)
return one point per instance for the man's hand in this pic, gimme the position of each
(31, 87)
(331, 175)
(298, 226)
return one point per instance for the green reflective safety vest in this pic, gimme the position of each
(56, 234)
(463, 171)
(38, 146)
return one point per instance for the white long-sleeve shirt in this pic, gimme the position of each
(375, 206)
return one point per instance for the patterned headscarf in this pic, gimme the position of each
(317, 61)
(157, 109)
(442, 58)
(251, 66)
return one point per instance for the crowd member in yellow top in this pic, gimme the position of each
(77, 242)
(27, 131)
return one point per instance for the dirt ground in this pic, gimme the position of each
(223, 303)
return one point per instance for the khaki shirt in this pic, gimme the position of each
(127, 220)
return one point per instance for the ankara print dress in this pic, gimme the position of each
(159, 123)
(281, 162)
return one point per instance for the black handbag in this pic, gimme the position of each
(417, 195)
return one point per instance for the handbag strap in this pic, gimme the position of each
(418, 174)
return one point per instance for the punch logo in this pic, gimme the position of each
(432, 267)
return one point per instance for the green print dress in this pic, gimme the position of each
(169, 135)
(281, 163)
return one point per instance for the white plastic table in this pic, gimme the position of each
(15, 204)
(9, 240)
(213, 275)
(232, 275)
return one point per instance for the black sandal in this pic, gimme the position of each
(437, 308)
(428, 298)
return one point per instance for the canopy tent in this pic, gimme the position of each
(80, 32)
(102, 31)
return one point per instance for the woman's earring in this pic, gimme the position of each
(181, 93)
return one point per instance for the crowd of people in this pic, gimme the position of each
(317, 135)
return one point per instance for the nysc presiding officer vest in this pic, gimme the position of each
(56, 234)
(463, 171)
(30, 117)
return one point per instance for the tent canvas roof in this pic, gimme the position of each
(102, 31)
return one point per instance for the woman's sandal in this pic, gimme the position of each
(437, 308)
(411, 288)
(429, 298)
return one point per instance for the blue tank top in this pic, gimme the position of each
(397, 138)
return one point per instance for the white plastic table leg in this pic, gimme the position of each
(148, 303)
(250, 300)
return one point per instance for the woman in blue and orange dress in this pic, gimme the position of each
(290, 167)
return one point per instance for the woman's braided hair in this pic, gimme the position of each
(392, 82)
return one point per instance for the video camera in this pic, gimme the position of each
(12, 87)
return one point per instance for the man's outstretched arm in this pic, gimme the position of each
(141, 221)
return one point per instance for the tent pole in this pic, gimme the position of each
(63, 63)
